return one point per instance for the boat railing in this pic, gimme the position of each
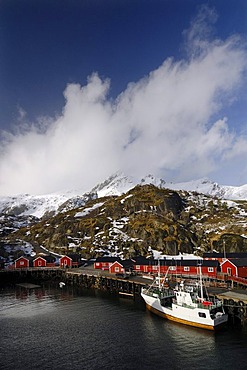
(155, 292)
(209, 306)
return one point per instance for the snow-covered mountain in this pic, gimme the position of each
(117, 184)
(120, 183)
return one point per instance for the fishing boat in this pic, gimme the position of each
(187, 303)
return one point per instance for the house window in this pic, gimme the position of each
(97, 263)
(155, 267)
(202, 314)
(210, 269)
(229, 271)
(173, 268)
(186, 268)
(117, 269)
(137, 267)
(21, 263)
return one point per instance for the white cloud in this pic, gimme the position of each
(164, 124)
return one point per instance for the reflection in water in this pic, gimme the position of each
(69, 329)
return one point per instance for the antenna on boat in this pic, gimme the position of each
(159, 272)
(200, 275)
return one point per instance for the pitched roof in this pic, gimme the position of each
(187, 262)
(238, 262)
(74, 256)
(108, 259)
(140, 260)
(29, 258)
(225, 255)
(127, 263)
(49, 259)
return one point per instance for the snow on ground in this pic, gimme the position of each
(88, 210)
(124, 199)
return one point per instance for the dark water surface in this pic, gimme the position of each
(52, 328)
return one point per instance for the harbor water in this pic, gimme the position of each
(65, 328)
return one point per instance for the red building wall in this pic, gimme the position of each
(242, 271)
(116, 268)
(184, 270)
(39, 262)
(102, 265)
(229, 268)
(22, 262)
(50, 264)
(65, 261)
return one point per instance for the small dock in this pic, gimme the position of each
(28, 285)
(235, 300)
(235, 303)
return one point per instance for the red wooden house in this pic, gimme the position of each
(116, 268)
(22, 262)
(44, 261)
(235, 267)
(70, 260)
(145, 265)
(103, 263)
(209, 268)
(65, 261)
(191, 267)
(76, 259)
(121, 267)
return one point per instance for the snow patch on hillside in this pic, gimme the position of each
(117, 184)
(88, 210)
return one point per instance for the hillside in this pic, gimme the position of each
(142, 219)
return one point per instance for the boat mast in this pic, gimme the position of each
(200, 273)
(159, 273)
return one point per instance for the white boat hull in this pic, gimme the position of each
(188, 316)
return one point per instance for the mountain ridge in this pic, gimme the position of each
(45, 205)
(146, 217)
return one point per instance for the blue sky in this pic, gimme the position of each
(49, 50)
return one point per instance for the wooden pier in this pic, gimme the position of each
(235, 301)
(235, 304)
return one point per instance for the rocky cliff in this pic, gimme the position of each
(143, 219)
